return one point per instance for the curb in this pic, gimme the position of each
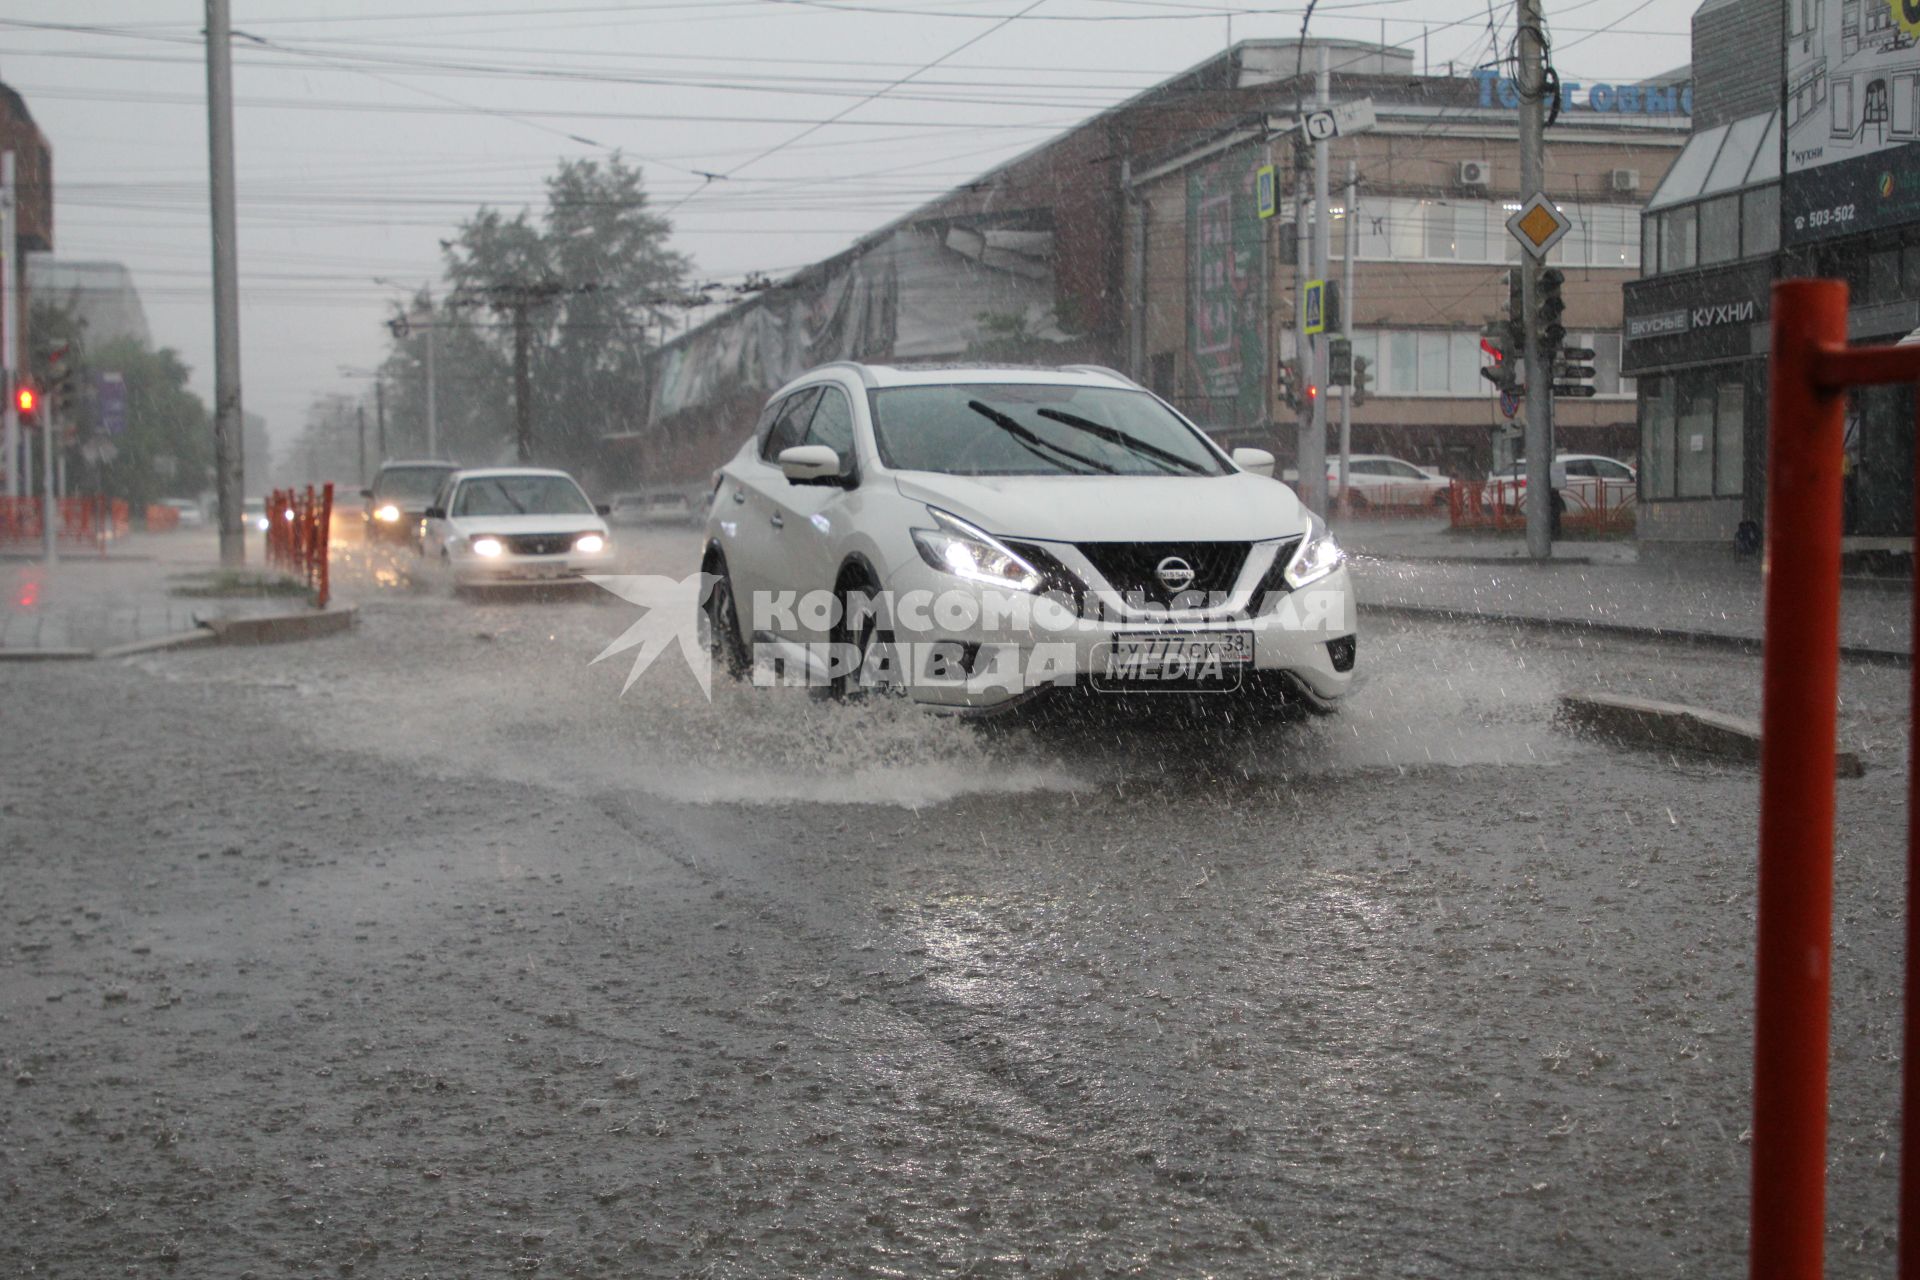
(1647, 723)
(281, 628)
(278, 628)
(1588, 626)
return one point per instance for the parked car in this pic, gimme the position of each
(953, 496)
(1381, 481)
(502, 526)
(253, 514)
(399, 494)
(192, 515)
(1581, 481)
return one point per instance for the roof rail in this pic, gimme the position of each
(1100, 368)
(867, 379)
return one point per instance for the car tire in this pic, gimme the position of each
(864, 632)
(720, 620)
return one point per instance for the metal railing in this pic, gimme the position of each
(93, 520)
(1811, 369)
(298, 525)
(1592, 506)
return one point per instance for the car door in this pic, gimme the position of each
(434, 528)
(813, 516)
(1581, 492)
(752, 519)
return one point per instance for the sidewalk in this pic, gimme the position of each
(86, 602)
(1708, 596)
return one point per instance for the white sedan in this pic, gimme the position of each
(979, 537)
(505, 526)
(1375, 480)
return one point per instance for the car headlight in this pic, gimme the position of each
(260, 522)
(387, 514)
(958, 548)
(590, 543)
(1317, 555)
(487, 547)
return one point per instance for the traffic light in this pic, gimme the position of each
(1572, 377)
(1288, 385)
(1340, 362)
(1550, 308)
(1500, 368)
(1512, 334)
(26, 402)
(1362, 379)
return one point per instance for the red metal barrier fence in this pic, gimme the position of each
(162, 518)
(1812, 367)
(297, 528)
(92, 521)
(1593, 505)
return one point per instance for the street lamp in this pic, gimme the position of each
(379, 412)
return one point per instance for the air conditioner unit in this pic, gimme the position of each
(1475, 173)
(1624, 179)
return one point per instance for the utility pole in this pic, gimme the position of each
(522, 382)
(1322, 246)
(1530, 78)
(49, 503)
(380, 415)
(433, 409)
(10, 320)
(1310, 453)
(1352, 205)
(227, 421)
(360, 413)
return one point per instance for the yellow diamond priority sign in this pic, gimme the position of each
(1539, 225)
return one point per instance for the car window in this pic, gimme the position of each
(1405, 470)
(1367, 469)
(1613, 470)
(408, 482)
(520, 495)
(832, 424)
(1580, 467)
(1033, 429)
(790, 426)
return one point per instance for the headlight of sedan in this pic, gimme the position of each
(590, 543)
(388, 514)
(1317, 556)
(488, 547)
(958, 548)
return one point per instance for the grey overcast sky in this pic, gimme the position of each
(367, 129)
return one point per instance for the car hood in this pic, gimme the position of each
(1233, 508)
(529, 524)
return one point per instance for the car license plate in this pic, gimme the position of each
(541, 571)
(1199, 658)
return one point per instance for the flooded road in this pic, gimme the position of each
(498, 971)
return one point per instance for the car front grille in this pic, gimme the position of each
(1132, 569)
(1273, 584)
(1055, 578)
(539, 544)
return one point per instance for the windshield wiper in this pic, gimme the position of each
(1113, 435)
(1031, 443)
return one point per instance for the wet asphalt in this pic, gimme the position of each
(426, 952)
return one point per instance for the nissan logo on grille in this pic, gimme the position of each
(1174, 573)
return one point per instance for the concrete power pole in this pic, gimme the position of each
(380, 416)
(1322, 256)
(227, 422)
(1310, 453)
(10, 321)
(522, 384)
(1530, 78)
(1352, 205)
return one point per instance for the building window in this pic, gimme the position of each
(1843, 108)
(1649, 244)
(1730, 440)
(1759, 222)
(1677, 228)
(1693, 437)
(1397, 230)
(1656, 439)
(1719, 230)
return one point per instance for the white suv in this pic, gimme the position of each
(979, 536)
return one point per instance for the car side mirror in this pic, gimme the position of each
(435, 513)
(810, 464)
(366, 493)
(602, 508)
(1254, 461)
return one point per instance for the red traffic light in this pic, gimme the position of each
(26, 400)
(1313, 392)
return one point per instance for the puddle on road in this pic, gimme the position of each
(505, 688)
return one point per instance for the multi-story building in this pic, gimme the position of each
(33, 231)
(1213, 285)
(1134, 240)
(100, 293)
(1837, 197)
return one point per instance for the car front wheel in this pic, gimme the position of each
(720, 621)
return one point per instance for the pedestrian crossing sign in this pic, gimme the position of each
(1313, 312)
(1264, 192)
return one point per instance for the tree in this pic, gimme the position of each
(167, 448)
(588, 276)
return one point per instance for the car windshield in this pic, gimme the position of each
(409, 482)
(1019, 429)
(522, 495)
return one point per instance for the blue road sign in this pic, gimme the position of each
(110, 394)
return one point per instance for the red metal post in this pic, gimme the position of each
(1909, 1263)
(1800, 689)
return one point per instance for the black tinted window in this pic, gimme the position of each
(790, 426)
(832, 423)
